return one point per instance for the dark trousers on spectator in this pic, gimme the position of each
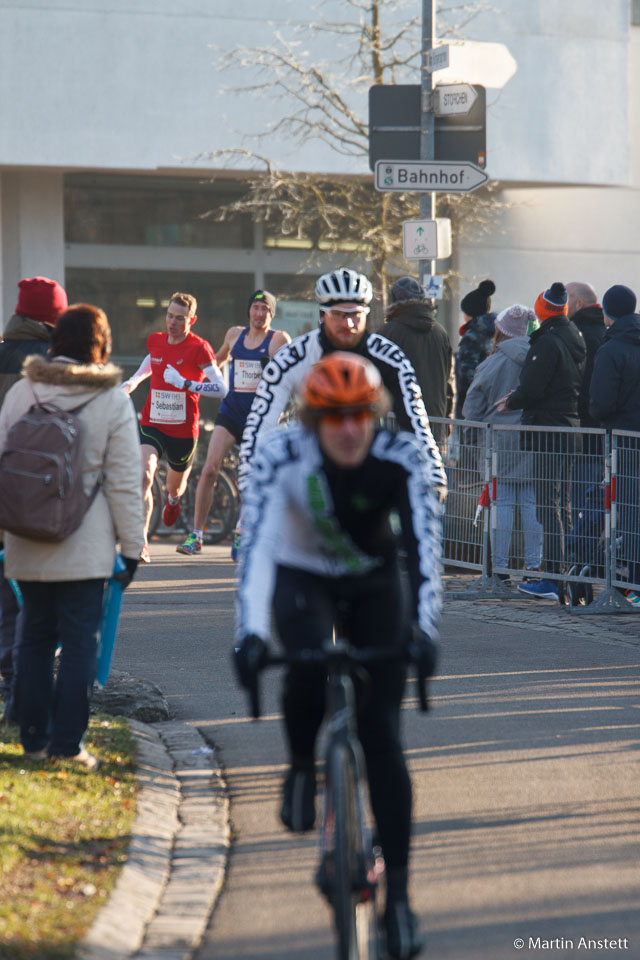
(628, 507)
(10, 630)
(553, 507)
(55, 713)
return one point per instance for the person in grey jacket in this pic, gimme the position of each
(494, 377)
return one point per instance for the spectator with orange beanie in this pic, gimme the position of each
(547, 394)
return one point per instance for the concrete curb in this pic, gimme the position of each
(176, 863)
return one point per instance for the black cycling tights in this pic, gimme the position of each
(371, 612)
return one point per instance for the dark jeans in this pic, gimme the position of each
(628, 499)
(10, 632)
(55, 714)
(371, 613)
(552, 506)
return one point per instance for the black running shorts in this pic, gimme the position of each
(179, 451)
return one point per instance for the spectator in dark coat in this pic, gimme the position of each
(411, 323)
(615, 403)
(585, 311)
(547, 394)
(551, 377)
(614, 399)
(40, 303)
(476, 337)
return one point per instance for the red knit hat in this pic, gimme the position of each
(41, 299)
(552, 303)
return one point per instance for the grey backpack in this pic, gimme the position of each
(41, 492)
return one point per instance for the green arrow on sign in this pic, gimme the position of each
(419, 231)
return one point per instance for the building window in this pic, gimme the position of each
(635, 13)
(152, 211)
(136, 304)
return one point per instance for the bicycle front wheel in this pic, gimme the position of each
(223, 515)
(352, 897)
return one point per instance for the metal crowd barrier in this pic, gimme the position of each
(546, 502)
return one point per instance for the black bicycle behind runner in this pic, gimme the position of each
(223, 515)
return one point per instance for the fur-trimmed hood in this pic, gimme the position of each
(65, 372)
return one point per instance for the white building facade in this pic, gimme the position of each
(112, 109)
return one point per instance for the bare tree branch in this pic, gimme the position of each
(322, 101)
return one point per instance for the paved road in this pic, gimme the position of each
(525, 775)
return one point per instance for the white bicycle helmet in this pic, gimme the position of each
(343, 286)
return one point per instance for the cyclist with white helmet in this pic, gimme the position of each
(316, 544)
(343, 297)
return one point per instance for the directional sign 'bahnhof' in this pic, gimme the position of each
(428, 176)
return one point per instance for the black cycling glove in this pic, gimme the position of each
(423, 651)
(124, 577)
(249, 657)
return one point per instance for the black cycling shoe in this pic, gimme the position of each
(404, 939)
(298, 810)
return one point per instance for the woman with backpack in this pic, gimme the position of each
(62, 580)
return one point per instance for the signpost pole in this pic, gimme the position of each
(427, 120)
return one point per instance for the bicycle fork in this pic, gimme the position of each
(344, 832)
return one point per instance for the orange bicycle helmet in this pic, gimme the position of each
(343, 380)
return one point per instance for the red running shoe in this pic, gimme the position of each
(170, 513)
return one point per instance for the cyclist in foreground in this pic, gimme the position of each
(317, 543)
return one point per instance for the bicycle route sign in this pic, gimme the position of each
(428, 176)
(426, 239)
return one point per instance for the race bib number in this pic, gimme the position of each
(246, 375)
(168, 406)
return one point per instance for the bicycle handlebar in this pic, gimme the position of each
(336, 651)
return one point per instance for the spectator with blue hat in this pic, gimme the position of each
(614, 401)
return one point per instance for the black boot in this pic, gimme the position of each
(298, 810)
(403, 934)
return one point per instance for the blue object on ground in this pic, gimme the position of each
(109, 623)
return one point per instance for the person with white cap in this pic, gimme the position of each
(343, 298)
(494, 377)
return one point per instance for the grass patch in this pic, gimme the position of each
(64, 835)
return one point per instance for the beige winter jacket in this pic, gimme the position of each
(111, 450)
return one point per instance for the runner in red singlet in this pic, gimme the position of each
(170, 418)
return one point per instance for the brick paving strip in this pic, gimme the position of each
(176, 862)
(542, 615)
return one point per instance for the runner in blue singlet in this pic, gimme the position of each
(247, 349)
(245, 371)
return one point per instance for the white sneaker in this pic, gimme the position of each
(85, 759)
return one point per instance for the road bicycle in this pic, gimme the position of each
(351, 869)
(223, 515)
